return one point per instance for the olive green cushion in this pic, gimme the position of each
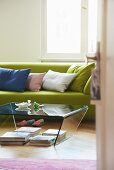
(73, 68)
(87, 87)
(83, 74)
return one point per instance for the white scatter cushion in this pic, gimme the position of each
(56, 81)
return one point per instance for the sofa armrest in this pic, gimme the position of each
(87, 87)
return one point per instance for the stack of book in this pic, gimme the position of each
(40, 140)
(54, 132)
(14, 138)
(20, 136)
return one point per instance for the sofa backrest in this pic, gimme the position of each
(42, 67)
(38, 67)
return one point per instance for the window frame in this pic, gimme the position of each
(64, 56)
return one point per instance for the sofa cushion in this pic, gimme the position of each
(73, 68)
(56, 81)
(13, 80)
(83, 74)
(44, 96)
(34, 81)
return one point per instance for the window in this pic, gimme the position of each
(65, 26)
(92, 26)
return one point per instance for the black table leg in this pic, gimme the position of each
(59, 130)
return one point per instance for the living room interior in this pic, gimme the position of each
(41, 35)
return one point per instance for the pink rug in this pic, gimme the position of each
(46, 164)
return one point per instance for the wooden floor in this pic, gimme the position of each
(80, 145)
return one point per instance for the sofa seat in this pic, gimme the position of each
(44, 96)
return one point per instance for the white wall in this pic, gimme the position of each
(19, 30)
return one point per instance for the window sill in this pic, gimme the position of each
(70, 60)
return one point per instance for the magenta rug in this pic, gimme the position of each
(46, 164)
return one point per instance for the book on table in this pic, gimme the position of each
(32, 130)
(13, 142)
(62, 110)
(42, 140)
(54, 132)
(14, 136)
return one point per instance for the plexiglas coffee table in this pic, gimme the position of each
(53, 116)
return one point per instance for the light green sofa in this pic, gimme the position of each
(43, 96)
